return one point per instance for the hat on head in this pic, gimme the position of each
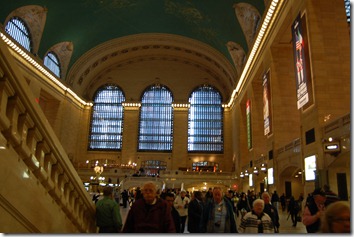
(318, 191)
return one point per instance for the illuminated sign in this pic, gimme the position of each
(270, 176)
(331, 147)
(250, 181)
(310, 168)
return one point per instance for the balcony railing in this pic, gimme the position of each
(25, 131)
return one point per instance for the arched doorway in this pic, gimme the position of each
(291, 182)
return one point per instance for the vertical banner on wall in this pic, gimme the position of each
(249, 125)
(267, 113)
(299, 44)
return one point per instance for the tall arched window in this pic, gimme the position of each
(51, 61)
(106, 130)
(156, 115)
(205, 121)
(347, 9)
(19, 31)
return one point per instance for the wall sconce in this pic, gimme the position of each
(298, 174)
(263, 168)
(242, 175)
(255, 170)
(246, 173)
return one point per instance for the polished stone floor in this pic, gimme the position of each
(285, 225)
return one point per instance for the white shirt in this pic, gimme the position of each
(180, 205)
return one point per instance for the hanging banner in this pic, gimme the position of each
(300, 62)
(267, 113)
(249, 125)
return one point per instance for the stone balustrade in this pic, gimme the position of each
(30, 141)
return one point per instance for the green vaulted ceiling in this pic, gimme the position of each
(88, 23)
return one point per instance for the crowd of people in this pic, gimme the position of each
(216, 212)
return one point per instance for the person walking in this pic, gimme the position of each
(116, 195)
(138, 194)
(181, 204)
(218, 216)
(149, 214)
(271, 211)
(256, 221)
(275, 199)
(243, 205)
(313, 211)
(195, 213)
(209, 195)
(170, 198)
(283, 202)
(108, 217)
(336, 218)
(293, 210)
(230, 196)
(251, 196)
(125, 197)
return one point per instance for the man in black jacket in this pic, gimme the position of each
(170, 198)
(195, 211)
(149, 214)
(275, 199)
(314, 210)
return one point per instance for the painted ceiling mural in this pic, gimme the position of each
(87, 23)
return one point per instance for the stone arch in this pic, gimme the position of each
(288, 175)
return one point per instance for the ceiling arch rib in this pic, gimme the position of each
(151, 47)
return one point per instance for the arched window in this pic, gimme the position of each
(347, 9)
(155, 128)
(107, 119)
(205, 121)
(51, 61)
(19, 31)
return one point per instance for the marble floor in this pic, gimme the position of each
(285, 225)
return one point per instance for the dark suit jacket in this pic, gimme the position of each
(176, 219)
(194, 216)
(144, 218)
